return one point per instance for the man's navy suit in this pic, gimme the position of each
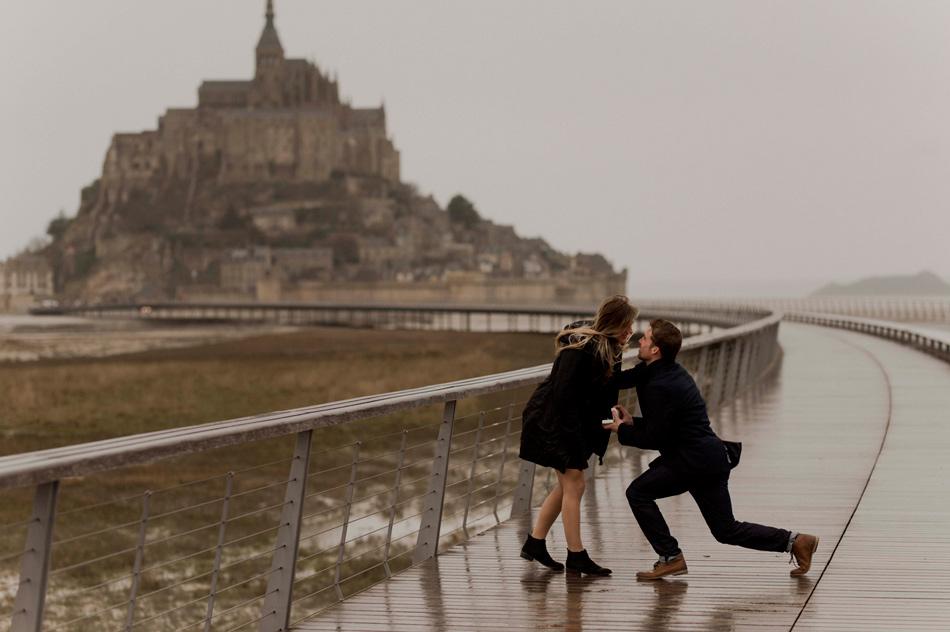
(692, 459)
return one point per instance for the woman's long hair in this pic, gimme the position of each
(614, 317)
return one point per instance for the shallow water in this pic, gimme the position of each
(25, 338)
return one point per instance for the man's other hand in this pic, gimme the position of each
(621, 416)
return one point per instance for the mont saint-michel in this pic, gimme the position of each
(273, 188)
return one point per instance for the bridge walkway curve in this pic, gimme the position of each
(846, 439)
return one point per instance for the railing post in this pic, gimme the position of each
(504, 458)
(715, 388)
(771, 347)
(392, 512)
(773, 343)
(701, 369)
(30, 599)
(755, 363)
(745, 365)
(280, 584)
(525, 488)
(427, 543)
(139, 553)
(732, 376)
(591, 470)
(471, 476)
(217, 554)
(346, 521)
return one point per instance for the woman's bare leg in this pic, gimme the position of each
(550, 510)
(573, 484)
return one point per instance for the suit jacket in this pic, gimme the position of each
(674, 419)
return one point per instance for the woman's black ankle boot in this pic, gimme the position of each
(581, 563)
(536, 550)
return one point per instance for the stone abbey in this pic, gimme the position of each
(273, 189)
(286, 124)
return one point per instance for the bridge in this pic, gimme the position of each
(405, 511)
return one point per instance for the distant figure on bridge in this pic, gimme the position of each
(692, 459)
(562, 424)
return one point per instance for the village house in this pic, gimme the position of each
(24, 280)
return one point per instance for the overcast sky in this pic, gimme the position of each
(710, 147)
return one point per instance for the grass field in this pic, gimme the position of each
(62, 402)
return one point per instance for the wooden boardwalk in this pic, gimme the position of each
(848, 440)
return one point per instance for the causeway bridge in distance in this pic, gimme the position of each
(406, 510)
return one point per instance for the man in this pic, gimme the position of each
(692, 459)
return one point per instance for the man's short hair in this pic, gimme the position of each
(667, 337)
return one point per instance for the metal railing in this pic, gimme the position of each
(896, 308)
(271, 518)
(459, 317)
(935, 343)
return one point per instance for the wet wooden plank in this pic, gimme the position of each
(891, 570)
(811, 435)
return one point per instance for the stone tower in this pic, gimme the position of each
(269, 66)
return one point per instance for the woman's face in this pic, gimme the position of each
(623, 337)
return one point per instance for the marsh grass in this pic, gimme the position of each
(52, 403)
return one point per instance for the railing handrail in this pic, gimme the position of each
(715, 316)
(35, 468)
(923, 336)
(559, 309)
(886, 307)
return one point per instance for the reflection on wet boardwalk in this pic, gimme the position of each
(812, 434)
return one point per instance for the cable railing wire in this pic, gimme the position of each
(247, 623)
(340, 526)
(245, 581)
(243, 605)
(115, 580)
(11, 556)
(165, 489)
(182, 534)
(248, 559)
(254, 535)
(13, 525)
(325, 588)
(180, 510)
(255, 512)
(282, 483)
(87, 616)
(124, 525)
(66, 569)
(175, 585)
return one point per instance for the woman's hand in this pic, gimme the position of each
(621, 416)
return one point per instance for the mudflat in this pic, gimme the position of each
(26, 338)
(91, 381)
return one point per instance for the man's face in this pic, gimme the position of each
(647, 352)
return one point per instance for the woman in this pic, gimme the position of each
(562, 424)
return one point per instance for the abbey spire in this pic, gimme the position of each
(269, 70)
(269, 40)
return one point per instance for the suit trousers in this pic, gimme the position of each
(712, 496)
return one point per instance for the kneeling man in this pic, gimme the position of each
(692, 459)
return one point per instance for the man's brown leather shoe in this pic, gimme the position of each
(802, 549)
(676, 566)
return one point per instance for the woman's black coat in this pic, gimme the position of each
(561, 423)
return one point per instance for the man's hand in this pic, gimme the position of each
(621, 416)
